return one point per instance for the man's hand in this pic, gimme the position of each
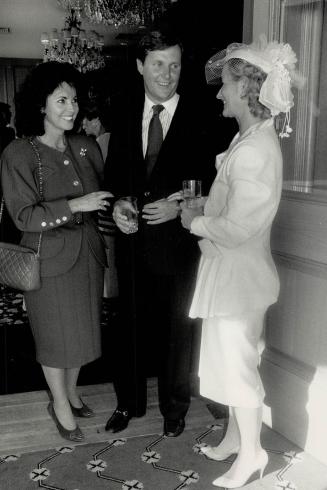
(158, 212)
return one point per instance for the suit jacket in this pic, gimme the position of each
(167, 248)
(73, 173)
(237, 273)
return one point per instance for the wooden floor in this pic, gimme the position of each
(26, 426)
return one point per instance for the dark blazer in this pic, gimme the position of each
(167, 248)
(73, 173)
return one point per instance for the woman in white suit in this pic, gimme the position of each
(237, 278)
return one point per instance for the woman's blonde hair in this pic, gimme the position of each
(239, 68)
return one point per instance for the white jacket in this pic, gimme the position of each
(236, 272)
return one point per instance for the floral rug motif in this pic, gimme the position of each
(155, 463)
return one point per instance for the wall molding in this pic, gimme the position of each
(301, 264)
(290, 364)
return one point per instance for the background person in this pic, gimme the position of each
(155, 265)
(65, 312)
(7, 133)
(96, 123)
(237, 278)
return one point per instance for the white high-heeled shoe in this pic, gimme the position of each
(212, 453)
(259, 464)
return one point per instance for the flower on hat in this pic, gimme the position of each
(277, 53)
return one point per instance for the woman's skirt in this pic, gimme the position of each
(65, 314)
(229, 360)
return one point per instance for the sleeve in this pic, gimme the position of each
(19, 178)
(250, 204)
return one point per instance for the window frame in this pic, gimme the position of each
(299, 150)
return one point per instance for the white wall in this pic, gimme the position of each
(27, 19)
(294, 364)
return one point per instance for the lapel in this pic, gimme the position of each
(135, 130)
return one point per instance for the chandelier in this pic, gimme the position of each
(73, 45)
(120, 12)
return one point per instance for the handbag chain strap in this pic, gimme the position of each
(1, 208)
(39, 164)
(38, 158)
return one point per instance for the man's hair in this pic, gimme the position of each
(97, 107)
(239, 68)
(156, 40)
(5, 114)
(41, 82)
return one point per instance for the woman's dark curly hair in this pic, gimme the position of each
(239, 68)
(41, 82)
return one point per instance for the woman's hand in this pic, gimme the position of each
(94, 201)
(188, 214)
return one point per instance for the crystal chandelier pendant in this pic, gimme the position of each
(119, 12)
(73, 45)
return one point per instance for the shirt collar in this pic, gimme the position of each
(170, 105)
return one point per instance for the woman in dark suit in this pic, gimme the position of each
(65, 312)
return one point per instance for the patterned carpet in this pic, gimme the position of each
(155, 463)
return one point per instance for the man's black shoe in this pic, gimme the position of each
(118, 421)
(173, 428)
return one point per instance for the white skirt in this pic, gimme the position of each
(229, 360)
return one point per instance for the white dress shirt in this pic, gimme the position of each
(165, 116)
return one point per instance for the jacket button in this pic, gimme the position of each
(64, 218)
(51, 224)
(66, 162)
(58, 221)
(44, 223)
(75, 183)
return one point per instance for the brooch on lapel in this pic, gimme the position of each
(83, 152)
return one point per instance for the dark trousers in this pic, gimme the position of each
(155, 337)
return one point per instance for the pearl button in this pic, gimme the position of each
(66, 162)
(75, 183)
(64, 218)
(44, 223)
(58, 221)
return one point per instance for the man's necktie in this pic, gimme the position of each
(155, 138)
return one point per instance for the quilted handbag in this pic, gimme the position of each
(20, 266)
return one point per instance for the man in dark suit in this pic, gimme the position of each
(156, 265)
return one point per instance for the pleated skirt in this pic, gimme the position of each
(65, 314)
(229, 360)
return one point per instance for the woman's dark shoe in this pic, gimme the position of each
(75, 435)
(83, 411)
